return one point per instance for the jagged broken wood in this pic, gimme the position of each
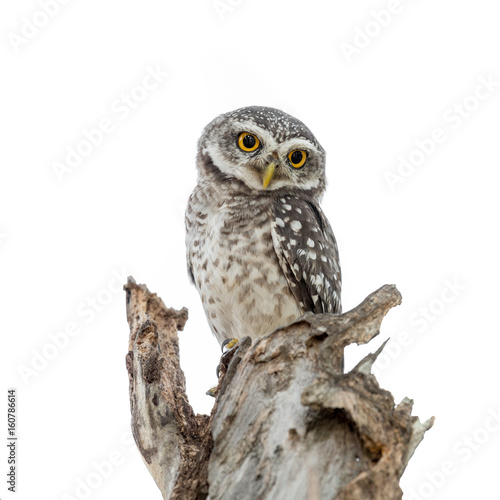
(287, 421)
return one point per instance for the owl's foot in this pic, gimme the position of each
(230, 348)
(228, 344)
(212, 391)
(226, 347)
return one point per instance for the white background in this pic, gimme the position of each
(120, 211)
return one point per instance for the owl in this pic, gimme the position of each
(260, 250)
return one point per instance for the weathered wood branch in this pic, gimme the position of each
(173, 441)
(287, 423)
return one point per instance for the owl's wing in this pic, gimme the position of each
(307, 252)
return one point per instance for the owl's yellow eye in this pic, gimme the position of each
(248, 142)
(297, 158)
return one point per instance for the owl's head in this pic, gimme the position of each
(264, 148)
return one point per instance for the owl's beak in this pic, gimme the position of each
(268, 174)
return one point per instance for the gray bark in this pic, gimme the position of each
(287, 423)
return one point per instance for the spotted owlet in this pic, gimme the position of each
(259, 248)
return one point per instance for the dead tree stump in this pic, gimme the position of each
(287, 423)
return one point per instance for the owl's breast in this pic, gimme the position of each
(235, 267)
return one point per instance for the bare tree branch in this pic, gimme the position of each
(287, 422)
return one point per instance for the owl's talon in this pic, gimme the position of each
(211, 392)
(227, 348)
(228, 344)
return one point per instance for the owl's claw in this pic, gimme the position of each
(226, 347)
(212, 391)
(228, 344)
(229, 349)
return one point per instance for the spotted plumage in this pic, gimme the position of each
(260, 251)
